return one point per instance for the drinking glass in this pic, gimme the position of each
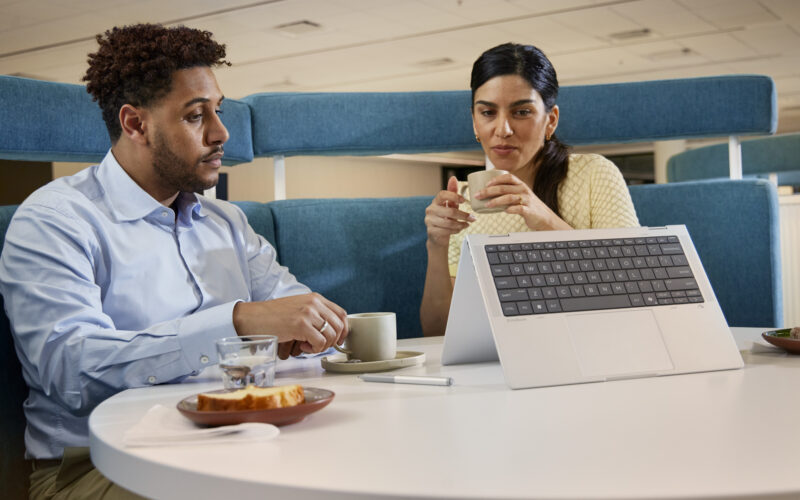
(248, 360)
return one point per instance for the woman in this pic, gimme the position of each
(514, 116)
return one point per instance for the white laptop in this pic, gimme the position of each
(565, 307)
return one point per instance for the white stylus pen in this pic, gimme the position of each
(406, 379)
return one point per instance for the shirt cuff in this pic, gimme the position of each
(199, 332)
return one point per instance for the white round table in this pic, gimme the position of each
(707, 435)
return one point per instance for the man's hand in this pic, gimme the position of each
(303, 323)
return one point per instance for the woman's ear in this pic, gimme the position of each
(131, 119)
(552, 122)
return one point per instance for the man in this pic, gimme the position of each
(120, 276)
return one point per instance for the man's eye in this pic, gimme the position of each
(487, 112)
(523, 112)
(194, 117)
(218, 111)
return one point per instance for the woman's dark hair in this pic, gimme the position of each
(531, 64)
(134, 65)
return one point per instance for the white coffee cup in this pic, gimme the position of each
(477, 181)
(372, 337)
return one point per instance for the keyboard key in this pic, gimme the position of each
(671, 248)
(636, 300)
(554, 306)
(512, 295)
(510, 309)
(524, 308)
(680, 260)
(680, 272)
(539, 307)
(680, 284)
(595, 303)
(517, 269)
(503, 283)
(501, 270)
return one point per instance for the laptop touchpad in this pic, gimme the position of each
(616, 344)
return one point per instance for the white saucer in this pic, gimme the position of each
(339, 364)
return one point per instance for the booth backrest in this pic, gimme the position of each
(48, 121)
(292, 124)
(760, 157)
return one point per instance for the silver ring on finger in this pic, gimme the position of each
(324, 326)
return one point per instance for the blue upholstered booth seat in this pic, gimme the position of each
(734, 227)
(47, 121)
(778, 154)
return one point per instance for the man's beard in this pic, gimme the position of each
(176, 172)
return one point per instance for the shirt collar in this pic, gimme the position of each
(129, 201)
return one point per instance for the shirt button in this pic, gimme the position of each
(204, 359)
(164, 213)
(151, 379)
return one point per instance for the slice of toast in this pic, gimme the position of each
(252, 398)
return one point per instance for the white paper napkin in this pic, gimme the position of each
(162, 426)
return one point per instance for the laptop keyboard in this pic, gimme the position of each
(588, 275)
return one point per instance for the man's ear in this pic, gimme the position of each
(132, 121)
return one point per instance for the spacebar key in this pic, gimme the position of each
(597, 302)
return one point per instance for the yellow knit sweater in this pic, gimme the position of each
(592, 195)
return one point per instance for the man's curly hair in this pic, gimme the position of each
(134, 65)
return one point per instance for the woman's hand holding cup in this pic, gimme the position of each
(515, 197)
(443, 217)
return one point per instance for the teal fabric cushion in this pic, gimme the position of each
(779, 154)
(416, 122)
(47, 121)
(734, 227)
(367, 255)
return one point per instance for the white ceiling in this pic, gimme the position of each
(398, 45)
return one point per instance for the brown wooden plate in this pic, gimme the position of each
(781, 338)
(316, 399)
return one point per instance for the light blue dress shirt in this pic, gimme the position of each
(107, 289)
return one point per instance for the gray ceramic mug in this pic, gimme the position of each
(372, 337)
(477, 181)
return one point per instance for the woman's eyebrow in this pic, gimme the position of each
(521, 102)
